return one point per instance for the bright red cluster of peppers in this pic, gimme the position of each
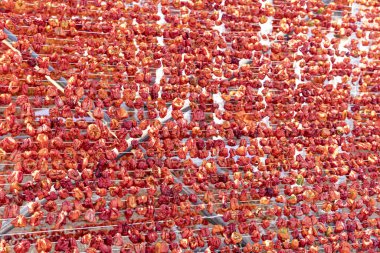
(208, 126)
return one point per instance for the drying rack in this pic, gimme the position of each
(60, 85)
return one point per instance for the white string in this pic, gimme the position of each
(335, 170)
